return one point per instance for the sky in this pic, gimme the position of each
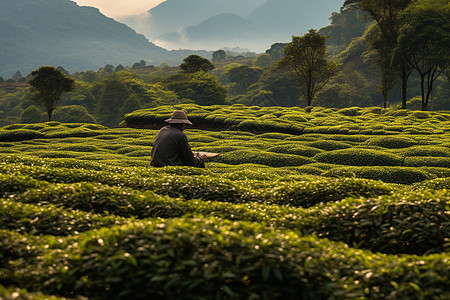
(120, 8)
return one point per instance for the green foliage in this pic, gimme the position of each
(200, 87)
(392, 142)
(31, 115)
(48, 84)
(277, 215)
(73, 114)
(402, 175)
(263, 157)
(359, 157)
(195, 63)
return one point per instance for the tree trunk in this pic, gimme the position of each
(405, 76)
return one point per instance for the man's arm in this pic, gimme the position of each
(188, 157)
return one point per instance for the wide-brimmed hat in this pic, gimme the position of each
(178, 117)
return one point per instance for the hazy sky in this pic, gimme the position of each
(119, 8)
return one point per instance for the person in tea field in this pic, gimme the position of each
(171, 146)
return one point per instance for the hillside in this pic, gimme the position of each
(355, 211)
(61, 33)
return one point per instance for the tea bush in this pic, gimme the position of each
(48, 219)
(359, 157)
(210, 259)
(401, 175)
(392, 142)
(420, 161)
(311, 192)
(415, 223)
(330, 212)
(263, 157)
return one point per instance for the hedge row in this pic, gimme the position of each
(365, 224)
(216, 259)
(41, 219)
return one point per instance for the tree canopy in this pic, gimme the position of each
(195, 63)
(47, 85)
(305, 55)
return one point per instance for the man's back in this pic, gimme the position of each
(171, 148)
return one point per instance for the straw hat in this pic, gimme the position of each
(179, 117)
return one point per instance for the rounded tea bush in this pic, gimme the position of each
(425, 161)
(359, 157)
(402, 175)
(263, 158)
(435, 151)
(391, 142)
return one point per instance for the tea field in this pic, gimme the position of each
(307, 203)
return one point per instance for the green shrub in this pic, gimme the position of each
(420, 161)
(295, 149)
(311, 192)
(13, 183)
(213, 259)
(328, 145)
(41, 220)
(15, 135)
(350, 111)
(11, 293)
(95, 198)
(359, 157)
(391, 142)
(263, 158)
(427, 151)
(402, 223)
(401, 175)
(434, 184)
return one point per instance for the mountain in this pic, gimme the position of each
(215, 31)
(182, 24)
(61, 33)
(173, 15)
(284, 18)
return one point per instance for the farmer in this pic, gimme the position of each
(171, 147)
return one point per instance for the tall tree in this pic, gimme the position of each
(305, 55)
(47, 86)
(386, 14)
(195, 63)
(424, 39)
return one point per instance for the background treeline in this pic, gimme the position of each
(105, 95)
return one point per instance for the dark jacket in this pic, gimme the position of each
(171, 148)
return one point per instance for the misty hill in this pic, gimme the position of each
(173, 22)
(61, 33)
(216, 30)
(174, 15)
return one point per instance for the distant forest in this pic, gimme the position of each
(104, 96)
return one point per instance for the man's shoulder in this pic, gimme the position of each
(173, 131)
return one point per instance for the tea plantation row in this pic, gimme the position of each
(276, 216)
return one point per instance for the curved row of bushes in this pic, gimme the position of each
(210, 258)
(367, 224)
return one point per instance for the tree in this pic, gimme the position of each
(424, 39)
(195, 63)
(200, 87)
(47, 86)
(381, 54)
(111, 95)
(305, 55)
(386, 14)
(276, 51)
(31, 115)
(73, 114)
(243, 76)
(219, 55)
